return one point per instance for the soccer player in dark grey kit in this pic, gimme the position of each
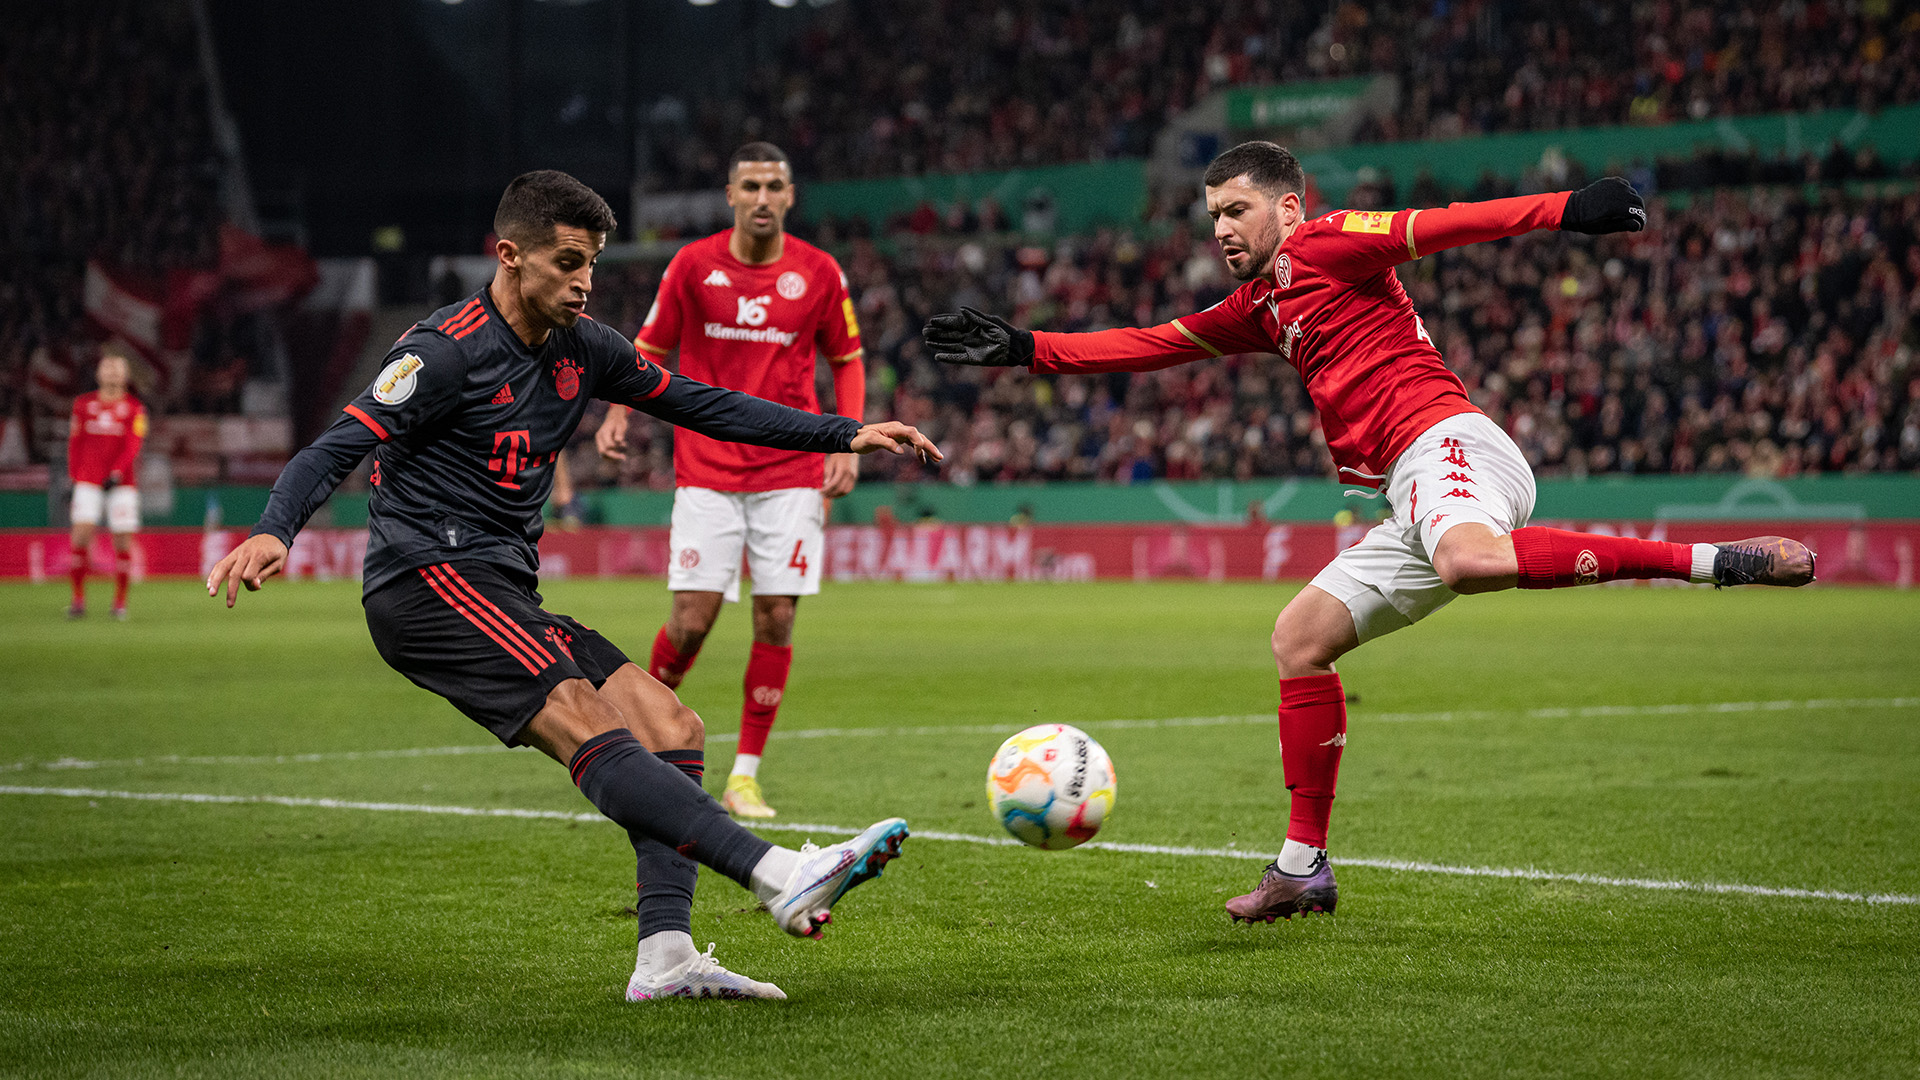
(465, 422)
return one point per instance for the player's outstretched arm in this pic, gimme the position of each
(975, 338)
(304, 485)
(895, 438)
(719, 413)
(1367, 242)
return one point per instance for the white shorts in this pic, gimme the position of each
(783, 534)
(122, 506)
(1462, 469)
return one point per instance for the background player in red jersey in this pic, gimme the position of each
(103, 444)
(1322, 294)
(749, 308)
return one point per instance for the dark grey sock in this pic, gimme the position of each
(665, 877)
(654, 800)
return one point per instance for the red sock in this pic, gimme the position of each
(77, 573)
(667, 664)
(122, 570)
(1313, 730)
(1555, 558)
(766, 684)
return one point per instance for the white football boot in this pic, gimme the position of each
(700, 977)
(826, 873)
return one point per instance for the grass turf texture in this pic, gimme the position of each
(168, 939)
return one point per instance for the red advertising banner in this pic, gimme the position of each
(1868, 553)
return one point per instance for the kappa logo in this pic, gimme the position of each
(1461, 493)
(1338, 740)
(790, 286)
(1437, 519)
(1462, 478)
(1586, 568)
(767, 696)
(719, 277)
(1455, 453)
(1282, 271)
(1413, 505)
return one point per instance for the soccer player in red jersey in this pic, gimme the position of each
(1321, 293)
(749, 308)
(103, 443)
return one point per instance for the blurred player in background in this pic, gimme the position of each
(465, 424)
(103, 447)
(1322, 294)
(749, 308)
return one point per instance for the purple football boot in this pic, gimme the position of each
(1280, 895)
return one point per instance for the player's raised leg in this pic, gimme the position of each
(1472, 558)
(1313, 631)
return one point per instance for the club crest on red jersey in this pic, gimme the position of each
(791, 286)
(1282, 271)
(566, 379)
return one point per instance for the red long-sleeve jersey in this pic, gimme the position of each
(1332, 307)
(104, 438)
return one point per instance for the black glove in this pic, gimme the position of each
(973, 337)
(1607, 205)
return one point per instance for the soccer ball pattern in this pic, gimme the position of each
(1051, 786)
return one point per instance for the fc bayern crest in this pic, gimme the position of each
(791, 286)
(566, 379)
(1282, 271)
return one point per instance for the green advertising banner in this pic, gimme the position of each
(1292, 105)
(1083, 196)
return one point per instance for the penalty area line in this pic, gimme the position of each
(1360, 716)
(1177, 851)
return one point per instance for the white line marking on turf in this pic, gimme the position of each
(1405, 865)
(1560, 713)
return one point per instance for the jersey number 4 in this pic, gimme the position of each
(798, 561)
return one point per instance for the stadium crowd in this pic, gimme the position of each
(879, 89)
(1758, 331)
(105, 153)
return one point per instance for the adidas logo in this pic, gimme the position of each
(720, 278)
(504, 397)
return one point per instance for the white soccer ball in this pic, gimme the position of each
(1051, 786)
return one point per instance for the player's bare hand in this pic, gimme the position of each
(895, 438)
(842, 471)
(611, 439)
(251, 564)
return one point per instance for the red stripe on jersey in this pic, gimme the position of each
(483, 627)
(471, 327)
(665, 378)
(372, 425)
(473, 308)
(463, 585)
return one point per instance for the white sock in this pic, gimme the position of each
(1297, 858)
(662, 952)
(773, 871)
(749, 764)
(1703, 563)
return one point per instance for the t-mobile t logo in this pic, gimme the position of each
(510, 450)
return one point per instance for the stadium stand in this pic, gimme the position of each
(876, 89)
(105, 154)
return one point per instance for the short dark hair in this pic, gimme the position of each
(535, 203)
(1268, 166)
(757, 151)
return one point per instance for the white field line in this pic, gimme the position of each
(1403, 865)
(1363, 717)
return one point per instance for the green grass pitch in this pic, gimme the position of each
(1595, 732)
